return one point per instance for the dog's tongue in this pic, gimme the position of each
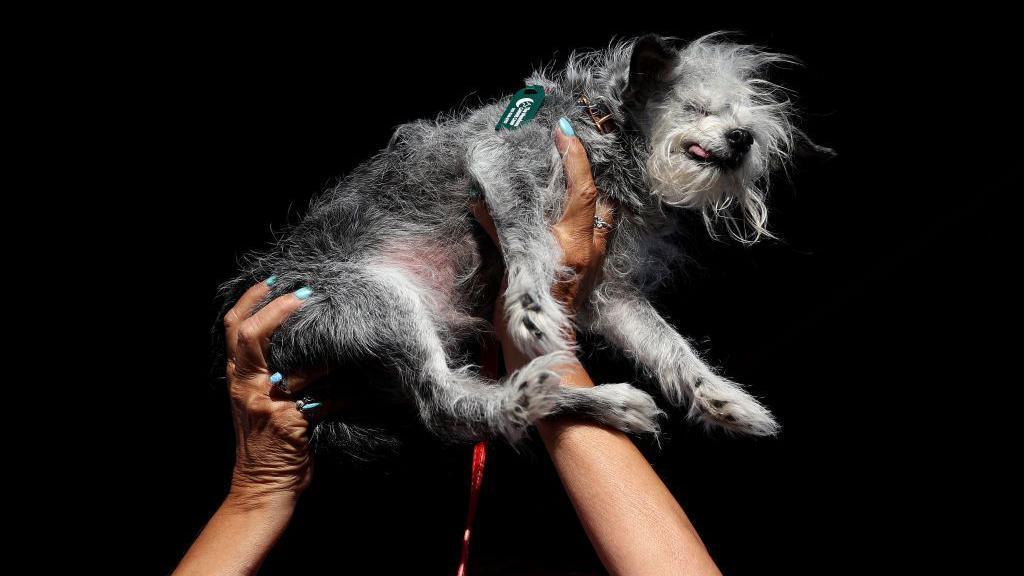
(698, 151)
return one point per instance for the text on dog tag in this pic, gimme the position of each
(522, 108)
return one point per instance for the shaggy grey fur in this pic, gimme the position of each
(398, 266)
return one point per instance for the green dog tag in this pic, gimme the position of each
(522, 108)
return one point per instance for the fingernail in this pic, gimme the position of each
(565, 126)
(304, 292)
(310, 407)
(277, 380)
(271, 281)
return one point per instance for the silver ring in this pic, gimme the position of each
(601, 223)
(307, 405)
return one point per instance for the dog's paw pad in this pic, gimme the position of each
(533, 390)
(532, 399)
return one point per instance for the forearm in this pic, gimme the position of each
(239, 536)
(633, 521)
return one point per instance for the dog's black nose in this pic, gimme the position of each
(740, 140)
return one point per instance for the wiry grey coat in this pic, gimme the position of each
(399, 268)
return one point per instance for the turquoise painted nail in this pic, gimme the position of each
(310, 407)
(566, 126)
(304, 292)
(277, 381)
(271, 281)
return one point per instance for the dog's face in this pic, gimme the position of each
(714, 127)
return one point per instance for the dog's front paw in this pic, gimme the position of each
(536, 324)
(722, 403)
(627, 408)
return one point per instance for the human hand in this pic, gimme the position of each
(272, 456)
(583, 244)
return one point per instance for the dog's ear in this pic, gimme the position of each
(650, 69)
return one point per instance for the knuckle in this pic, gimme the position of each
(586, 189)
(587, 186)
(247, 334)
(249, 331)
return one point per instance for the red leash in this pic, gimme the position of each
(489, 369)
(479, 457)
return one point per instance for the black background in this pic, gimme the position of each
(851, 327)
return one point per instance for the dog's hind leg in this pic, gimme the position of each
(382, 312)
(385, 314)
(629, 321)
(455, 402)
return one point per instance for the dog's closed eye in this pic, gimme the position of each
(698, 107)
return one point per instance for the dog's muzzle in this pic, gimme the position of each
(739, 142)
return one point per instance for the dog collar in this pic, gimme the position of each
(601, 118)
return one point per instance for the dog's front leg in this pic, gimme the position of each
(537, 324)
(628, 321)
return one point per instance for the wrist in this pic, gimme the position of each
(254, 496)
(273, 509)
(240, 534)
(575, 375)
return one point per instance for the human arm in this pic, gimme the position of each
(633, 521)
(272, 458)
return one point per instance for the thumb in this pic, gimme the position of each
(581, 192)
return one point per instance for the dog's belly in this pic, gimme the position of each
(457, 279)
(430, 264)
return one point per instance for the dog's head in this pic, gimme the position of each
(715, 126)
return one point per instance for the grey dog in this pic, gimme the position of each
(397, 263)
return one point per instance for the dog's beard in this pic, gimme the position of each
(687, 169)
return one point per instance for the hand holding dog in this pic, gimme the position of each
(272, 437)
(273, 464)
(583, 245)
